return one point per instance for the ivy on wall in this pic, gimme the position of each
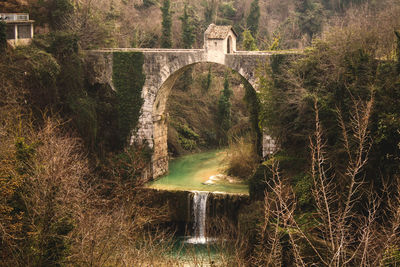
(128, 79)
(253, 105)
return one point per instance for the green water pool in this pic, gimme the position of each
(190, 172)
(202, 254)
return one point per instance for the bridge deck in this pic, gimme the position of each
(171, 50)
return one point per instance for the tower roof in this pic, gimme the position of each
(218, 32)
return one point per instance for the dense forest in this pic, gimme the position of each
(330, 196)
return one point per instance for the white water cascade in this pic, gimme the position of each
(200, 215)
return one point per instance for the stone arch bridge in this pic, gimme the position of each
(161, 68)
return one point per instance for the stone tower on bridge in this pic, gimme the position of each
(219, 40)
(161, 68)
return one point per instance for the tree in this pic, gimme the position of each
(188, 36)
(43, 188)
(226, 13)
(208, 80)
(341, 5)
(10, 6)
(209, 11)
(248, 41)
(336, 73)
(166, 38)
(148, 3)
(309, 17)
(58, 11)
(398, 50)
(3, 37)
(253, 18)
(224, 109)
(93, 26)
(276, 43)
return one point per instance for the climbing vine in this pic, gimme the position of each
(128, 79)
(253, 105)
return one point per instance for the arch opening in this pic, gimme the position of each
(162, 119)
(229, 44)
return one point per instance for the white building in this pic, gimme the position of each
(19, 28)
(218, 41)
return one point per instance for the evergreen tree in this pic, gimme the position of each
(224, 110)
(276, 43)
(58, 11)
(398, 51)
(166, 38)
(227, 92)
(249, 43)
(253, 18)
(309, 17)
(209, 79)
(186, 79)
(209, 11)
(3, 36)
(226, 13)
(188, 36)
(149, 3)
(302, 6)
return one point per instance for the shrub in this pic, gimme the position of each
(41, 71)
(241, 158)
(50, 168)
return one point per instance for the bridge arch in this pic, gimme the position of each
(160, 120)
(162, 68)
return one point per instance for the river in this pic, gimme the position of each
(201, 172)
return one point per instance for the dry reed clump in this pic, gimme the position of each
(241, 157)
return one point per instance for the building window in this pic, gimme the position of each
(229, 48)
(23, 17)
(10, 32)
(24, 31)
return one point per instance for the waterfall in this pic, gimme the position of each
(200, 216)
